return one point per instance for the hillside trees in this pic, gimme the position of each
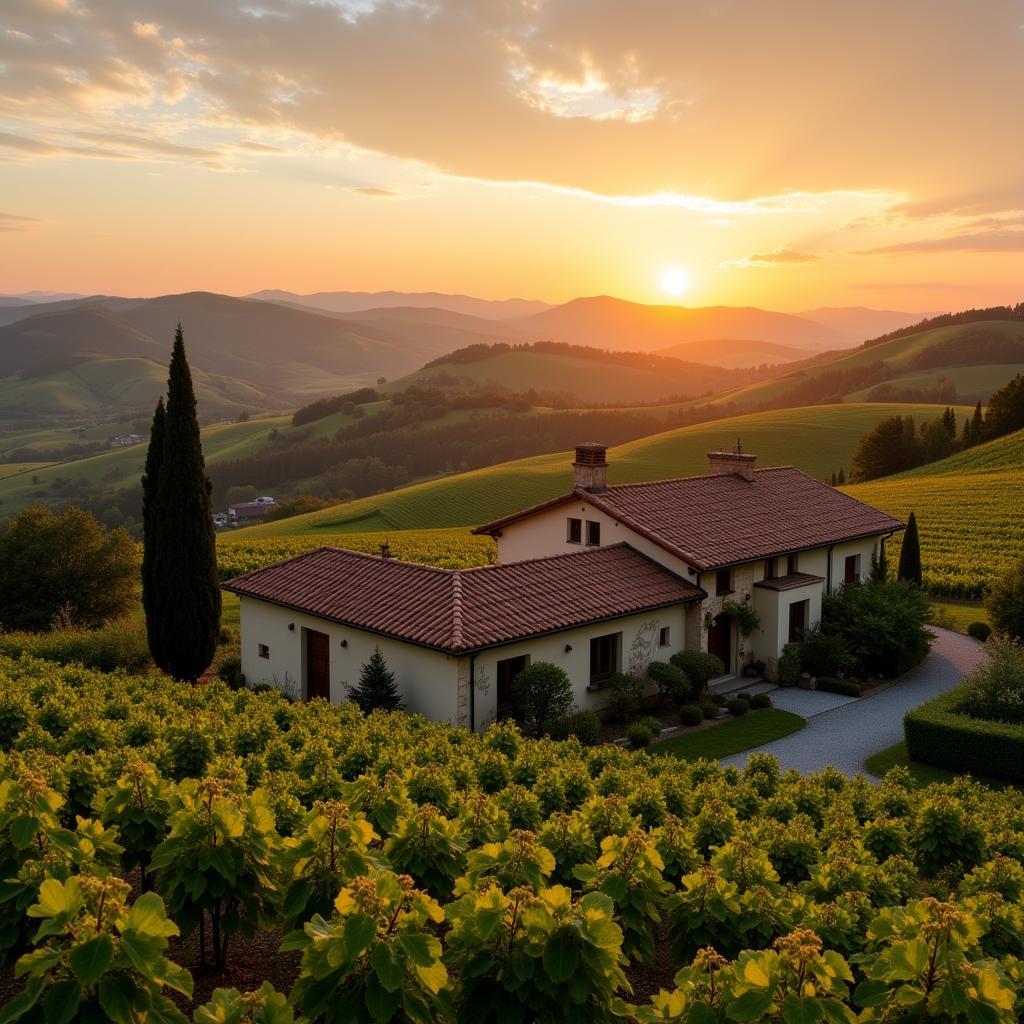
(1005, 410)
(63, 566)
(1005, 604)
(183, 617)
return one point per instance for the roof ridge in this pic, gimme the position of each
(377, 558)
(458, 638)
(590, 551)
(686, 479)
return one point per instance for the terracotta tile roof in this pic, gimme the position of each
(790, 582)
(461, 610)
(715, 520)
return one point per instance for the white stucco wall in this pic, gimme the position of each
(639, 647)
(427, 679)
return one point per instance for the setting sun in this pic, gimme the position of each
(675, 281)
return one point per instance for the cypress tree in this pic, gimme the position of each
(841, 479)
(376, 689)
(833, 478)
(966, 436)
(185, 602)
(150, 482)
(977, 424)
(909, 569)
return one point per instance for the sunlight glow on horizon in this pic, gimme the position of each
(675, 281)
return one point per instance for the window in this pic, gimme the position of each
(593, 533)
(574, 531)
(663, 637)
(798, 612)
(604, 657)
(852, 569)
(264, 651)
(723, 581)
(506, 670)
(770, 568)
(792, 564)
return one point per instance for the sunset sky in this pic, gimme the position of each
(753, 152)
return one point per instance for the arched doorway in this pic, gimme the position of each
(720, 639)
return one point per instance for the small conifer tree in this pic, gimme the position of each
(841, 479)
(977, 425)
(909, 569)
(376, 689)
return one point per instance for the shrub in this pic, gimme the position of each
(995, 690)
(672, 682)
(737, 707)
(939, 733)
(980, 631)
(120, 644)
(229, 668)
(542, 693)
(699, 666)
(1005, 603)
(719, 699)
(691, 714)
(652, 723)
(710, 709)
(376, 689)
(584, 725)
(639, 735)
(789, 665)
(824, 654)
(760, 700)
(64, 566)
(625, 695)
(882, 625)
(847, 687)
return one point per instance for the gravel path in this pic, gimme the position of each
(847, 735)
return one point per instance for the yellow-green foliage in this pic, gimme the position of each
(970, 514)
(451, 549)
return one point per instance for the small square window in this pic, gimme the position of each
(723, 581)
(792, 564)
(663, 637)
(264, 651)
(574, 531)
(593, 533)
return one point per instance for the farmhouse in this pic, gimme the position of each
(602, 579)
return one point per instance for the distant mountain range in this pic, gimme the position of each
(351, 302)
(276, 353)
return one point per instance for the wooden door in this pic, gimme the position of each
(720, 640)
(798, 621)
(318, 665)
(506, 671)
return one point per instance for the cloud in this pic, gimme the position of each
(374, 192)
(984, 241)
(17, 222)
(782, 256)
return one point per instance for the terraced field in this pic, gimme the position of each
(970, 511)
(817, 439)
(14, 468)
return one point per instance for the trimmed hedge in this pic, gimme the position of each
(759, 701)
(937, 734)
(847, 687)
(738, 707)
(980, 631)
(691, 714)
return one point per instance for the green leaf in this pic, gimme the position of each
(61, 1002)
(379, 1001)
(561, 954)
(55, 898)
(870, 993)
(90, 959)
(296, 898)
(384, 958)
(801, 1010)
(21, 1004)
(149, 917)
(359, 932)
(750, 1005)
(417, 948)
(23, 831)
(116, 993)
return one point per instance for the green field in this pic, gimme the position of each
(816, 439)
(969, 510)
(14, 468)
(973, 383)
(754, 729)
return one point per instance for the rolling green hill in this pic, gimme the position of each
(972, 383)
(969, 511)
(817, 439)
(937, 352)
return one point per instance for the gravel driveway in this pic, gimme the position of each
(846, 735)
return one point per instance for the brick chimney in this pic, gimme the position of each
(736, 463)
(590, 468)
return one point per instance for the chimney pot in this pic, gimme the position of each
(590, 467)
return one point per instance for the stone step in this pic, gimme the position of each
(726, 686)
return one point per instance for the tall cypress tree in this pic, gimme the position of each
(909, 569)
(185, 594)
(150, 482)
(977, 425)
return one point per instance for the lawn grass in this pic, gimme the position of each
(921, 774)
(957, 615)
(733, 737)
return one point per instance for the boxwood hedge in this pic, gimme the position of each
(938, 734)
